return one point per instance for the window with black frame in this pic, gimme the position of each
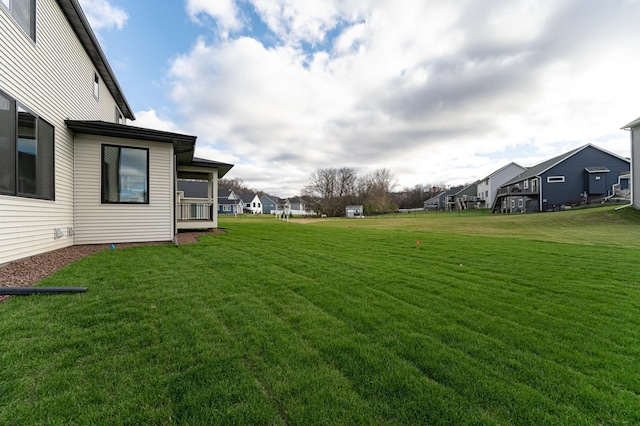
(125, 175)
(26, 152)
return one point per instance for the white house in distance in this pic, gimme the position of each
(634, 128)
(488, 186)
(252, 203)
(71, 170)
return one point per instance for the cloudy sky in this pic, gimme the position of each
(436, 92)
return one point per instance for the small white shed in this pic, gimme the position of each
(354, 211)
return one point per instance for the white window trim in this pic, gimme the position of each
(96, 86)
(119, 117)
(555, 179)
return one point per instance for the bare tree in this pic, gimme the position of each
(377, 187)
(332, 188)
(236, 185)
(409, 198)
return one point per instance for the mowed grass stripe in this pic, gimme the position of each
(538, 342)
(441, 345)
(542, 319)
(333, 322)
(334, 340)
(297, 266)
(341, 342)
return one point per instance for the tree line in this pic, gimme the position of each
(330, 190)
(333, 189)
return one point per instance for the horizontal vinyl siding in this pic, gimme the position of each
(53, 77)
(27, 227)
(119, 223)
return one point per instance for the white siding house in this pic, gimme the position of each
(488, 186)
(98, 222)
(60, 106)
(251, 203)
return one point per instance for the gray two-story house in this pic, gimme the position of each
(582, 176)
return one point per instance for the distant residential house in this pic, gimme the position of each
(230, 206)
(437, 202)
(634, 128)
(252, 203)
(293, 206)
(466, 198)
(300, 207)
(228, 194)
(488, 186)
(450, 198)
(268, 205)
(229, 202)
(584, 175)
(72, 171)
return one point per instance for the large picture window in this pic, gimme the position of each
(125, 174)
(24, 12)
(26, 152)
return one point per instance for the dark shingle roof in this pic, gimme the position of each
(193, 188)
(544, 166)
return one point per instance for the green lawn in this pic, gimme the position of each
(490, 319)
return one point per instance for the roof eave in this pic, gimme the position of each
(103, 128)
(223, 168)
(634, 123)
(183, 145)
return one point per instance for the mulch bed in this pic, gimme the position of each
(31, 270)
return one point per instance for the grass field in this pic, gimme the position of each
(418, 319)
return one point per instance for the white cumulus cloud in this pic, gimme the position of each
(224, 12)
(102, 14)
(434, 91)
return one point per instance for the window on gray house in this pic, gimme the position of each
(24, 13)
(555, 179)
(26, 152)
(125, 175)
